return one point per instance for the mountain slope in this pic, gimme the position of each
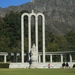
(60, 14)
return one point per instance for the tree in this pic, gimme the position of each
(12, 28)
(62, 42)
(4, 44)
(71, 40)
(53, 47)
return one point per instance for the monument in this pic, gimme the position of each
(34, 54)
(29, 34)
(33, 51)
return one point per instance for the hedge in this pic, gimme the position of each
(4, 65)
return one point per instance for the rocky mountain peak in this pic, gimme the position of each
(60, 14)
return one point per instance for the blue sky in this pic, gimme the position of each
(6, 3)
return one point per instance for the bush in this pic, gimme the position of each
(4, 65)
(73, 65)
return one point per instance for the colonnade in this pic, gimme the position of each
(61, 56)
(51, 57)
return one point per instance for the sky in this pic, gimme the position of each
(6, 3)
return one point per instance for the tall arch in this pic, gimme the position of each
(43, 34)
(29, 33)
(22, 34)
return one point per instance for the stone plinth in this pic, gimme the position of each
(19, 65)
(33, 62)
(34, 57)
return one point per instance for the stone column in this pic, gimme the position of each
(51, 58)
(39, 58)
(36, 33)
(29, 36)
(43, 34)
(22, 38)
(70, 58)
(4, 58)
(61, 58)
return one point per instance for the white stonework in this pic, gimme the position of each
(19, 65)
(29, 33)
(34, 57)
(40, 65)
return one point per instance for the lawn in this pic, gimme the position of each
(37, 71)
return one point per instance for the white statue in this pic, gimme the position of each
(34, 57)
(33, 50)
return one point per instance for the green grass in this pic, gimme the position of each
(37, 71)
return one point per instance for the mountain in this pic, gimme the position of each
(60, 14)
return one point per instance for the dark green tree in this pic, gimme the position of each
(71, 40)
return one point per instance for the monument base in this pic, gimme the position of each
(34, 65)
(19, 65)
(34, 57)
(39, 65)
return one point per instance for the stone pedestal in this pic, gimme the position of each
(34, 57)
(33, 62)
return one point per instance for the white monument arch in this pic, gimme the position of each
(29, 33)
